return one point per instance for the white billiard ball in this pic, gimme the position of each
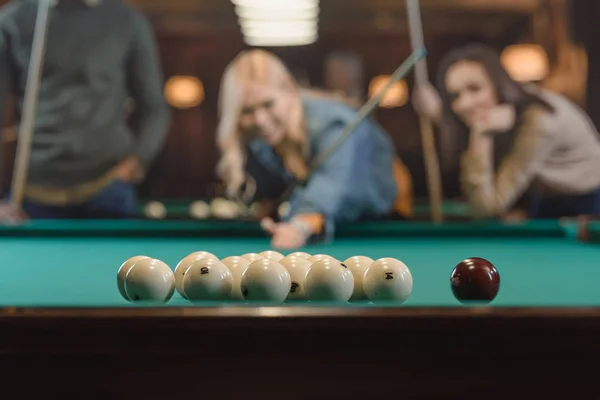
(207, 280)
(184, 264)
(199, 210)
(122, 273)
(298, 268)
(388, 279)
(329, 280)
(318, 257)
(252, 256)
(273, 255)
(266, 280)
(237, 265)
(300, 254)
(155, 210)
(358, 265)
(149, 279)
(235, 209)
(224, 209)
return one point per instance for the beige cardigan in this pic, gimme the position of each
(557, 152)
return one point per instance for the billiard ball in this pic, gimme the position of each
(199, 210)
(358, 265)
(224, 209)
(237, 265)
(300, 254)
(475, 280)
(266, 280)
(388, 279)
(183, 265)
(273, 255)
(155, 210)
(252, 256)
(329, 280)
(207, 280)
(149, 279)
(318, 257)
(122, 273)
(298, 268)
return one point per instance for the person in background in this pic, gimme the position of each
(100, 54)
(517, 138)
(271, 129)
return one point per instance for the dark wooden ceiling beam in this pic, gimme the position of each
(342, 6)
(366, 17)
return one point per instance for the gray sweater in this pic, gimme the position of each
(99, 53)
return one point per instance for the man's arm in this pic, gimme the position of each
(146, 86)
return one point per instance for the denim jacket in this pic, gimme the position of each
(357, 179)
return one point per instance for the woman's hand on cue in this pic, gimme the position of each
(284, 235)
(11, 215)
(427, 103)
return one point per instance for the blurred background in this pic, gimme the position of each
(350, 46)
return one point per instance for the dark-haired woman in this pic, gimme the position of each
(516, 137)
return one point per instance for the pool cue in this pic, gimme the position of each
(361, 115)
(26, 127)
(368, 107)
(427, 137)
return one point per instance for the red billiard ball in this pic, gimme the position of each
(475, 280)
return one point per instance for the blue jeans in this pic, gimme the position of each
(117, 201)
(564, 206)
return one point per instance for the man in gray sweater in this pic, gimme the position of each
(85, 160)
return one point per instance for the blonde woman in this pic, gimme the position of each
(271, 129)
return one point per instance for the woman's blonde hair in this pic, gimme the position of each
(261, 67)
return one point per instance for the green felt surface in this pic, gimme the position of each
(153, 228)
(539, 265)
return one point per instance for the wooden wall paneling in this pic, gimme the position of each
(185, 167)
(585, 30)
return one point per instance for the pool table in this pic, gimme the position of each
(65, 329)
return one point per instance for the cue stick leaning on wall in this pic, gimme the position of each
(27, 125)
(427, 137)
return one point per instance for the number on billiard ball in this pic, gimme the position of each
(294, 287)
(297, 267)
(207, 280)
